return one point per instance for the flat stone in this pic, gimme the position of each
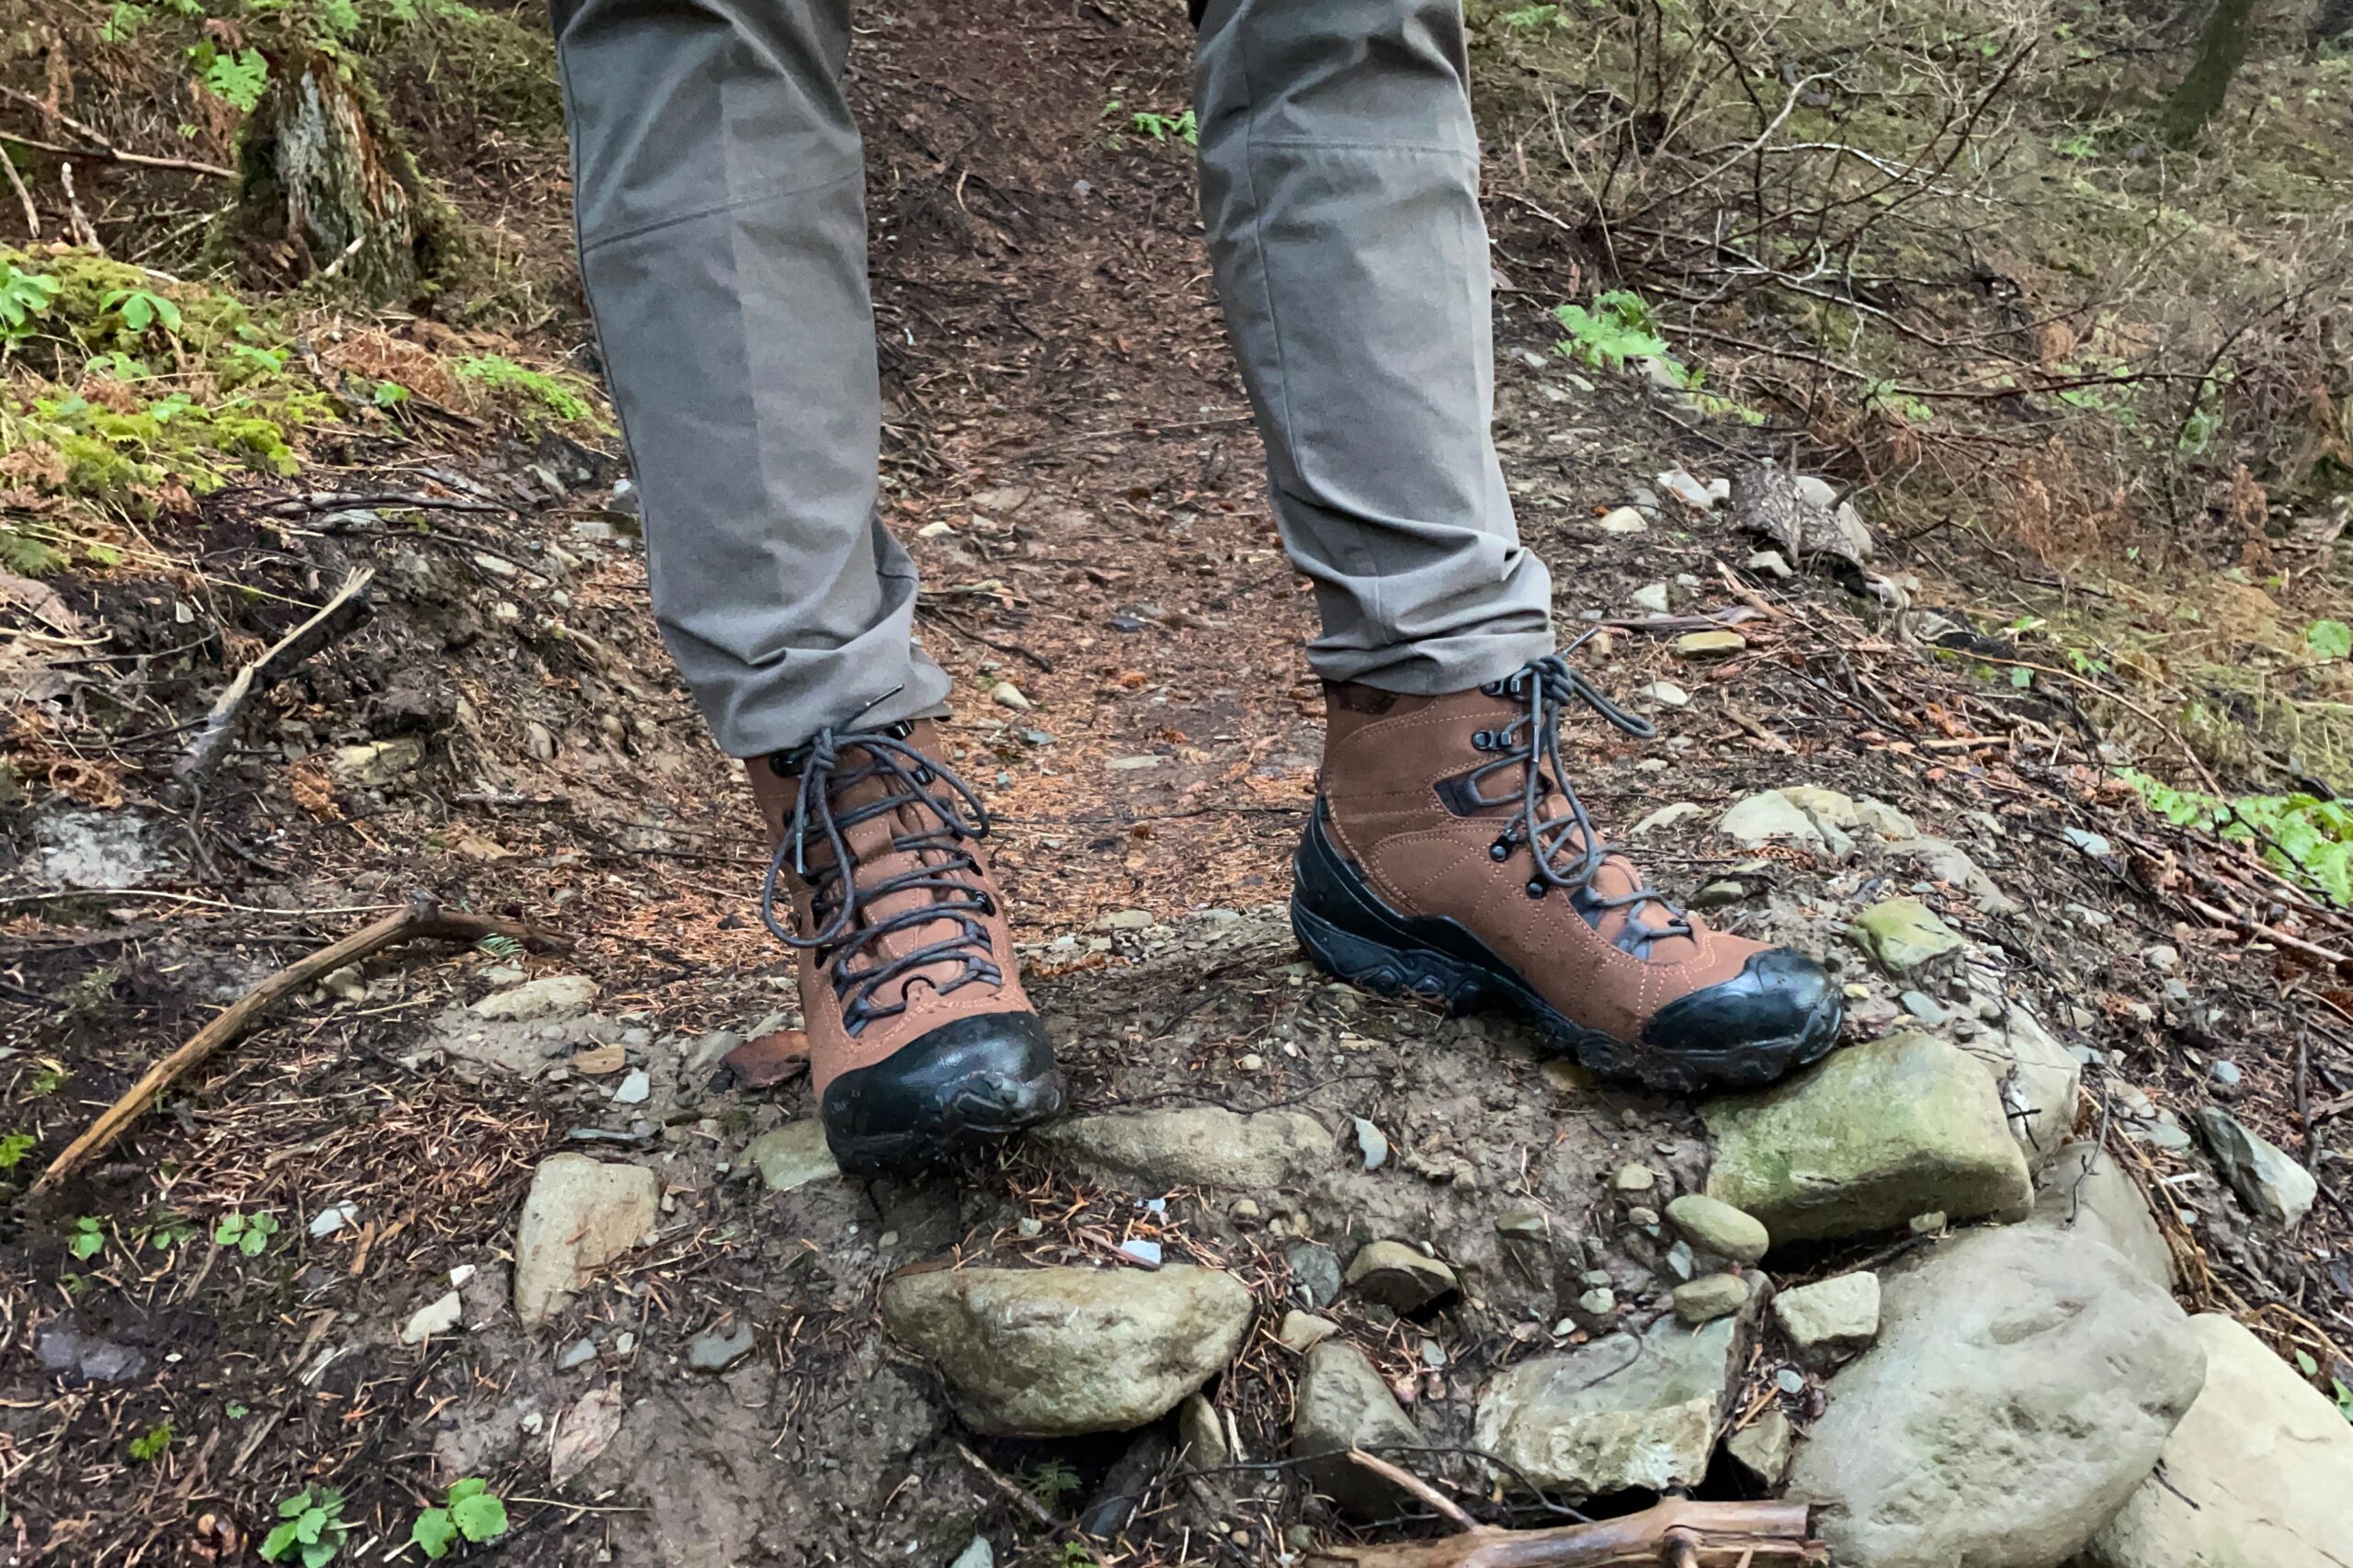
(2040, 1080)
(378, 762)
(2259, 1474)
(1342, 1403)
(1719, 895)
(580, 1214)
(1665, 694)
(1201, 1435)
(1875, 1134)
(1948, 862)
(1709, 1297)
(1190, 1146)
(434, 1317)
(1717, 1227)
(2021, 1390)
(1303, 1331)
(2085, 1191)
(1058, 1352)
(1399, 1277)
(87, 1358)
(1675, 481)
(1709, 644)
(1769, 564)
(714, 1351)
(537, 999)
(1624, 520)
(1902, 935)
(1763, 1447)
(1627, 1412)
(792, 1155)
(2273, 1187)
(1667, 817)
(635, 1087)
(1773, 818)
(1829, 1318)
(1598, 1301)
(1317, 1268)
(1652, 596)
(579, 1353)
(1634, 1178)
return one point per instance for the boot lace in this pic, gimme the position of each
(840, 901)
(1567, 849)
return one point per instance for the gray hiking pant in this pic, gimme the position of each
(720, 190)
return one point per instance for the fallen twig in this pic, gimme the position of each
(99, 146)
(335, 501)
(1672, 1534)
(423, 916)
(347, 608)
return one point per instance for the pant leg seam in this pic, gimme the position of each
(765, 193)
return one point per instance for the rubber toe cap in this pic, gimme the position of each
(983, 1077)
(1782, 1006)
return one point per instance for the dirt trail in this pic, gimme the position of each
(1061, 402)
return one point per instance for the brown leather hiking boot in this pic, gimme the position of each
(921, 1041)
(1448, 858)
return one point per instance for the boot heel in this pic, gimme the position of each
(1378, 966)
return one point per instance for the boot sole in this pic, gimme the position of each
(1397, 955)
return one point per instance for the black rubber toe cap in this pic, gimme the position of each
(982, 1078)
(1782, 1010)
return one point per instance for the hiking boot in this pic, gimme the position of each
(921, 1043)
(1447, 857)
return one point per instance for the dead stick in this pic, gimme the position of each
(423, 916)
(100, 147)
(346, 609)
(1407, 1481)
(17, 184)
(1705, 1535)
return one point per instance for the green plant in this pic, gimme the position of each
(237, 77)
(2329, 639)
(24, 298)
(158, 1438)
(1620, 328)
(309, 1527)
(553, 394)
(249, 1233)
(47, 1077)
(170, 1232)
(1161, 127)
(89, 1237)
(143, 307)
(470, 1512)
(1533, 18)
(2307, 838)
(499, 947)
(13, 1150)
(1053, 1481)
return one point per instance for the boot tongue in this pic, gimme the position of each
(1617, 878)
(874, 858)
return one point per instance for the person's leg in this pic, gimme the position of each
(1340, 185)
(719, 185)
(1447, 855)
(720, 190)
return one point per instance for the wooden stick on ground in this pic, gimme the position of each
(1673, 1534)
(423, 916)
(346, 609)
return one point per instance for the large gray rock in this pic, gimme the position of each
(1344, 1404)
(1191, 1146)
(1879, 1132)
(2040, 1080)
(1627, 1412)
(1903, 935)
(1055, 1352)
(2085, 1192)
(1717, 1227)
(2272, 1185)
(579, 1215)
(2259, 1474)
(2023, 1385)
(1773, 817)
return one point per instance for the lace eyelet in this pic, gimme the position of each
(1499, 850)
(1536, 890)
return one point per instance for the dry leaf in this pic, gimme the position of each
(769, 1060)
(603, 1059)
(584, 1431)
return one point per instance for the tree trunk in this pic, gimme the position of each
(2221, 48)
(329, 192)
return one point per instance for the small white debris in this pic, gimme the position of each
(434, 1317)
(634, 1088)
(334, 1218)
(1004, 694)
(1769, 564)
(1625, 520)
(1651, 597)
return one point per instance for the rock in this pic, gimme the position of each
(1342, 1403)
(1191, 1146)
(1769, 564)
(2164, 957)
(86, 1357)
(1709, 644)
(1816, 491)
(1626, 1413)
(1634, 1178)
(1317, 1268)
(792, 1155)
(1399, 1277)
(537, 999)
(1004, 694)
(635, 1087)
(977, 1552)
(1719, 1228)
(1372, 1144)
(1057, 1352)
(1877, 1133)
(1903, 935)
(2039, 1081)
(1675, 481)
(1303, 1331)
(1719, 895)
(332, 1218)
(1829, 1318)
(2022, 1387)
(2259, 1474)
(712, 1351)
(2225, 1074)
(1773, 817)
(378, 763)
(1201, 1435)
(1762, 1449)
(1667, 817)
(1624, 520)
(1709, 1297)
(434, 1317)
(579, 1353)
(1665, 694)
(1652, 596)
(2272, 1185)
(1599, 1302)
(580, 1214)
